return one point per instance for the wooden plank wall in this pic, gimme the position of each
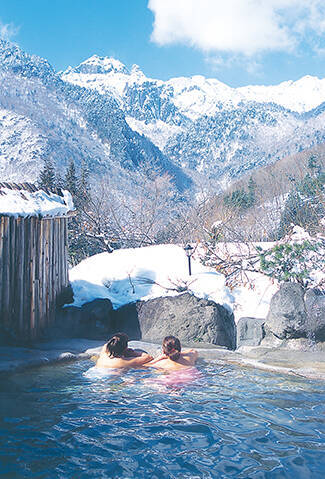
(33, 272)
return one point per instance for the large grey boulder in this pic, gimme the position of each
(185, 316)
(287, 317)
(315, 308)
(126, 320)
(93, 321)
(295, 313)
(250, 331)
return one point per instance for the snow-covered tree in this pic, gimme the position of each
(83, 186)
(47, 178)
(117, 219)
(305, 205)
(71, 180)
(297, 258)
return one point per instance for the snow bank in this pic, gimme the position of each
(128, 275)
(254, 301)
(25, 203)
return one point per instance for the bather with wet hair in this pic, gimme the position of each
(172, 357)
(115, 354)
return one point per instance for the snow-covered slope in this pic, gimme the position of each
(238, 140)
(205, 126)
(43, 117)
(301, 95)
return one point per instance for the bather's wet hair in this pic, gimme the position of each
(117, 345)
(172, 347)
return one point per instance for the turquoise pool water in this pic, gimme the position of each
(64, 422)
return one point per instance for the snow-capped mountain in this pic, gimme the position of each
(41, 116)
(196, 96)
(117, 120)
(206, 126)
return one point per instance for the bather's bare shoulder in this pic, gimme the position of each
(105, 363)
(190, 354)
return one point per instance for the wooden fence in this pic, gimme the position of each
(33, 272)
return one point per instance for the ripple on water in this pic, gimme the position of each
(75, 421)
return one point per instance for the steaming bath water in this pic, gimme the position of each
(73, 421)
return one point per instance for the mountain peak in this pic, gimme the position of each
(104, 65)
(308, 79)
(136, 70)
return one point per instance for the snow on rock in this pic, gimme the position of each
(26, 203)
(254, 301)
(128, 275)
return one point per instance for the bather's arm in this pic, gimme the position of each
(133, 353)
(156, 360)
(140, 360)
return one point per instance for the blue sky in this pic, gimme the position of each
(239, 42)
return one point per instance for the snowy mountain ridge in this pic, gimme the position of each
(206, 127)
(196, 96)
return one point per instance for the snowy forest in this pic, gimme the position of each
(253, 209)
